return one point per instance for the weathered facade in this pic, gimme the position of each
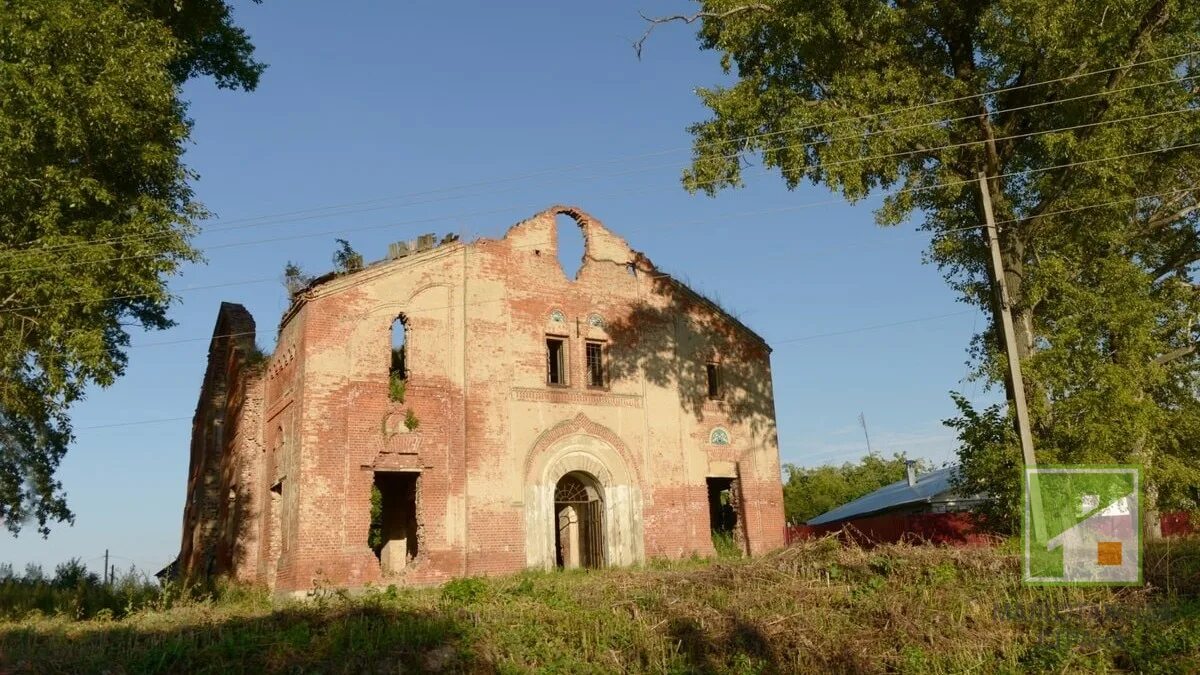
(528, 420)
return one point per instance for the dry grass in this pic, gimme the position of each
(815, 607)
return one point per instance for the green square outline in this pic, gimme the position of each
(1026, 508)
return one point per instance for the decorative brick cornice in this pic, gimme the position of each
(576, 425)
(598, 398)
(282, 358)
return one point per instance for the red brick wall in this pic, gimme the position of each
(477, 318)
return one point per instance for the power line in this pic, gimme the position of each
(807, 169)
(210, 338)
(340, 208)
(158, 420)
(874, 327)
(795, 207)
(136, 295)
(935, 234)
(787, 341)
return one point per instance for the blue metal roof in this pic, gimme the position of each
(927, 487)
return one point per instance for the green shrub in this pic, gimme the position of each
(396, 387)
(726, 545)
(464, 591)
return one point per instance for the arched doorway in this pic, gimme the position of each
(578, 522)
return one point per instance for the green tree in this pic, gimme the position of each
(1099, 255)
(345, 258)
(96, 211)
(809, 492)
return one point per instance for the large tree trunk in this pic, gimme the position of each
(1151, 518)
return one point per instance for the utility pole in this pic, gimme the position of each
(862, 419)
(105, 567)
(1014, 360)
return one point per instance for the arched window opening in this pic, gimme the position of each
(571, 246)
(398, 372)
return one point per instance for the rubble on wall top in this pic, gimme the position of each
(425, 242)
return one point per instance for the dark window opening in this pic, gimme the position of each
(393, 533)
(723, 518)
(556, 361)
(713, 371)
(722, 515)
(595, 364)
(398, 371)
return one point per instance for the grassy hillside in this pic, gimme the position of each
(813, 607)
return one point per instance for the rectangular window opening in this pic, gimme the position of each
(393, 533)
(556, 361)
(713, 371)
(595, 364)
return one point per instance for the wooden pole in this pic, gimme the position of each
(1014, 360)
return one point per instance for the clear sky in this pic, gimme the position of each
(528, 104)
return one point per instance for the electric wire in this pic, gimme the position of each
(234, 224)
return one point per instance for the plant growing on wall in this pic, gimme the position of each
(346, 259)
(411, 421)
(375, 529)
(294, 278)
(396, 387)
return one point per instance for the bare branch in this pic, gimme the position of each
(1168, 218)
(1180, 260)
(1175, 354)
(655, 22)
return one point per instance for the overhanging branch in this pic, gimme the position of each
(655, 22)
(1175, 354)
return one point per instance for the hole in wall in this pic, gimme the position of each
(398, 368)
(393, 533)
(722, 514)
(571, 245)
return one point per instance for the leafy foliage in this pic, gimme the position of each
(346, 259)
(986, 463)
(96, 211)
(725, 544)
(73, 591)
(807, 493)
(396, 386)
(375, 530)
(294, 278)
(1099, 254)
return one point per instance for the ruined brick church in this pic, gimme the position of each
(466, 408)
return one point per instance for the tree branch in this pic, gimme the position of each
(1151, 21)
(1168, 218)
(655, 22)
(1185, 257)
(1175, 354)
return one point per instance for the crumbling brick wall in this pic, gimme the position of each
(479, 424)
(220, 517)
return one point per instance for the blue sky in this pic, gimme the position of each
(379, 102)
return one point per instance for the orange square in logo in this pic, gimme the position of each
(1108, 553)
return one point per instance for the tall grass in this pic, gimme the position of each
(815, 607)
